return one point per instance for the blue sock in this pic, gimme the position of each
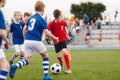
(3, 74)
(45, 66)
(13, 57)
(21, 63)
(21, 57)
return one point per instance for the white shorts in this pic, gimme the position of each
(2, 54)
(19, 48)
(34, 46)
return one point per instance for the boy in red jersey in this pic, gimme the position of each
(58, 28)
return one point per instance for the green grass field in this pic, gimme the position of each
(86, 65)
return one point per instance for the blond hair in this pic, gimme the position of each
(16, 12)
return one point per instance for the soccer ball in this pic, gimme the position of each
(55, 68)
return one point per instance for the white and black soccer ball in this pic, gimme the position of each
(55, 68)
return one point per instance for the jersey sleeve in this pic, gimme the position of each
(49, 26)
(44, 24)
(65, 24)
(27, 22)
(11, 28)
(2, 22)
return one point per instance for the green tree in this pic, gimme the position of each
(90, 8)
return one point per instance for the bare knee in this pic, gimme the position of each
(64, 51)
(5, 66)
(44, 55)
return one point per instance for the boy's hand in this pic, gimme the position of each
(57, 40)
(6, 45)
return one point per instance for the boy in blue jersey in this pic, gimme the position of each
(16, 31)
(4, 66)
(34, 30)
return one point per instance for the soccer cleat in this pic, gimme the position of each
(11, 62)
(13, 69)
(47, 78)
(68, 71)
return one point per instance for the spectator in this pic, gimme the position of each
(98, 23)
(94, 23)
(85, 19)
(87, 35)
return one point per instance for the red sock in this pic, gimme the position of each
(67, 61)
(60, 59)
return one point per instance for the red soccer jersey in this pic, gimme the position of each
(58, 29)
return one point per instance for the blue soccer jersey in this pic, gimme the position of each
(2, 24)
(36, 24)
(17, 32)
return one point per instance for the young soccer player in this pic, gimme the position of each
(58, 28)
(34, 30)
(26, 16)
(16, 31)
(4, 66)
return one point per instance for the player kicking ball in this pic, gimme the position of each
(58, 28)
(34, 29)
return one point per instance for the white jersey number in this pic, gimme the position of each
(32, 24)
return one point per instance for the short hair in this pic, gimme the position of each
(16, 12)
(26, 14)
(39, 6)
(57, 13)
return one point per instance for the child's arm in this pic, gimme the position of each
(49, 34)
(24, 30)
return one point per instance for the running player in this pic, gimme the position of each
(16, 31)
(33, 42)
(4, 66)
(58, 28)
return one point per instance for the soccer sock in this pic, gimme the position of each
(13, 57)
(21, 63)
(21, 57)
(60, 59)
(3, 74)
(45, 65)
(67, 61)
